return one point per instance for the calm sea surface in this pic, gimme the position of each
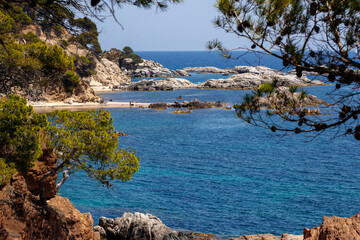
(210, 172)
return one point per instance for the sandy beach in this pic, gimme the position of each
(75, 106)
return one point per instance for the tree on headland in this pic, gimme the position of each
(318, 37)
(82, 141)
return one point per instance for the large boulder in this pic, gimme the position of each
(135, 226)
(334, 228)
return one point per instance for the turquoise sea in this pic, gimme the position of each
(210, 172)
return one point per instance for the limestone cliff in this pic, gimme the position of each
(22, 215)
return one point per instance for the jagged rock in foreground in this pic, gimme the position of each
(139, 226)
(162, 85)
(253, 80)
(334, 228)
(22, 217)
(285, 236)
(149, 68)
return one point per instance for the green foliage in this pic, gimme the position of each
(88, 33)
(87, 141)
(83, 141)
(84, 66)
(6, 24)
(303, 94)
(293, 89)
(70, 80)
(127, 52)
(317, 36)
(21, 134)
(52, 58)
(266, 88)
(6, 171)
(31, 38)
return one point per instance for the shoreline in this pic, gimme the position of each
(52, 106)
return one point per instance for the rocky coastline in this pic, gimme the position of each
(140, 226)
(244, 77)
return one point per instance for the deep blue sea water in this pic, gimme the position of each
(210, 172)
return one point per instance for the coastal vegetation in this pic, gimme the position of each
(318, 37)
(83, 141)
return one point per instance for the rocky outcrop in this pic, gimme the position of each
(134, 227)
(214, 70)
(162, 85)
(287, 101)
(333, 228)
(107, 74)
(23, 217)
(159, 106)
(46, 163)
(253, 80)
(235, 70)
(195, 104)
(149, 68)
(285, 236)
(139, 226)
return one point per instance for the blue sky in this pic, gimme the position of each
(183, 27)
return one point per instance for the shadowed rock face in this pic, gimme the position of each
(23, 217)
(335, 228)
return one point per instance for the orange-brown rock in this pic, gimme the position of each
(45, 163)
(23, 217)
(334, 228)
(79, 225)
